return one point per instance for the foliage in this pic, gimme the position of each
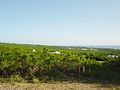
(20, 60)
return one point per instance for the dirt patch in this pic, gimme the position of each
(57, 86)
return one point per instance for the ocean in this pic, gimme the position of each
(103, 46)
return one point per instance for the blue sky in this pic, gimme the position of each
(60, 22)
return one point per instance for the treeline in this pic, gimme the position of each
(45, 63)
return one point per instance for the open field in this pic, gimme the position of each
(58, 86)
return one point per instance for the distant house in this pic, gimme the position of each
(112, 56)
(56, 52)
(34, 50)
(84, 49)
(69, 48)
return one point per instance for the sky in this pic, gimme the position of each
(60, 22)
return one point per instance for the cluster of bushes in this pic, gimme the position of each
(29, 64)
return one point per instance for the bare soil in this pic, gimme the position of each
(58, 86)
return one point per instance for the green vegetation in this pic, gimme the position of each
(30, 62)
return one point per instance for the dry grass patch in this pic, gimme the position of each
(57, 86)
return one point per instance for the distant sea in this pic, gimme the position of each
(102, 46)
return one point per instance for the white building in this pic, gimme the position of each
(56, 52)
(84, 49)
(112, 56)
(33, 50)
